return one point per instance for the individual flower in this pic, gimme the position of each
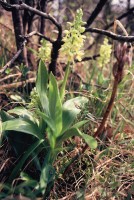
(105, 53)
(73, 39)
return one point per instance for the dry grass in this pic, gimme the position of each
(107, 173)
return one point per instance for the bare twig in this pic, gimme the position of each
(112, 23)
(6, 5)
(130, 11)
(108, 110)
(94, 57)
(10, 76)
(10, 63)
(96, 11)
(24, 40)
(23, 6)
(111, 35)
(56, 44)
(5, 26)
(38, 34)
(17, 84)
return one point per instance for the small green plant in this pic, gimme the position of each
(48, 123)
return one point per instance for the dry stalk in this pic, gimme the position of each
(17, 84)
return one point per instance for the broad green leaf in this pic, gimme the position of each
(71, 109)
(42, 78)
(91, 141)
(42, 125)
(66, 135)
(76, 103)
(68, 117)
(41, 86)
(5, 116)
(48, 121)
(80, 124)
(28, 183)
(25, 176)
(23, 112)
(55, 105)
(51, 137)
(23, 126)
(17, 168)
(76, 132)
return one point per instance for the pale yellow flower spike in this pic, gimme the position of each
(73, 39)
(105, 53)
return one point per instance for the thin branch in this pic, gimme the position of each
(96, 11)
(17, 84)
(5, 26)
(24, 40)
(45, 37)
(6, 5)
(23, 6)
(120, 17)
(112, 23)
(111, 35)
(18, 30)
(9, 64)
(108, 110)
(38, 34)
(94, 57)
(56, 44)
(10, 76)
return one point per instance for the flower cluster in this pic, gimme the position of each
(105, 53)
(44, 51)
(73, 39)
(34, 104)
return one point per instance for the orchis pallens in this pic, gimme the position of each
(73, 39)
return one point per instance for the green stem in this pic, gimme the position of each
(62, 90)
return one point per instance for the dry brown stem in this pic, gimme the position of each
(17, 84)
